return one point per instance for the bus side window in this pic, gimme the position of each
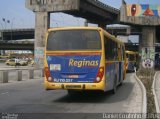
(111, 49)
(123, 50)
(115, 51)
(107, 48)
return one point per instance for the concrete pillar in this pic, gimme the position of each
(147, 41)
(139, 51)
(140, 43)
(4, 77)
(19, 75)
(148, 36)
(42, 24)
(31, 73)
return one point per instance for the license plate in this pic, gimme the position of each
(73, 86)
(73, 76)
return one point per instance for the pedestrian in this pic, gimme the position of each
(16, 62)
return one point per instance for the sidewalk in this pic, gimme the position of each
(136, 99)
(157, 87)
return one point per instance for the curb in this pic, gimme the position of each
(144, 96)
(13, 69)
(154, 93)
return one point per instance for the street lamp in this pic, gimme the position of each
(5, 21)
(4, 28)
(9, 22)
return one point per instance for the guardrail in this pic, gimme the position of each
(4, 74)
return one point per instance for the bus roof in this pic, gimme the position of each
(74, 28)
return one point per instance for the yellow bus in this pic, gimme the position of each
(83, 58)
(132, 60)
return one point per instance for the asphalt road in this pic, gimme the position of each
(29, 96)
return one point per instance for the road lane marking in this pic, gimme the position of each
(4, 93)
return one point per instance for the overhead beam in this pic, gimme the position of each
(92, 10)
(17, 46)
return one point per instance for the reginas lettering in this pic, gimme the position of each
(83, 63)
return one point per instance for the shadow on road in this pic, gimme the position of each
(123, 92)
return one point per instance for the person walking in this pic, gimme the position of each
(16, 62)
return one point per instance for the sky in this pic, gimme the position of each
(20, 17)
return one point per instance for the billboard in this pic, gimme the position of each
(143, 10)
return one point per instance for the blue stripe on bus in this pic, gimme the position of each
(76, 69)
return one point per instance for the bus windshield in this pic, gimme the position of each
(73, 40)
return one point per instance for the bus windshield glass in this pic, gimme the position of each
(73, 40)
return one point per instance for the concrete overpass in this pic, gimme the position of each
(132, 30)
(123, 30)
(16, 46)
(17, 34)
(92, 10)
(29, 33)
